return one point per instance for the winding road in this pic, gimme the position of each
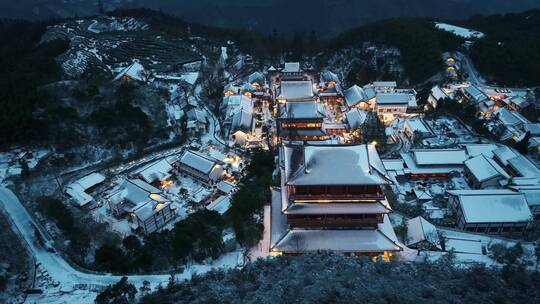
(59, 269)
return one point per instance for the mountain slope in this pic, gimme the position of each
(325, 16)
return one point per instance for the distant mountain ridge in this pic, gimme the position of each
(327, 17)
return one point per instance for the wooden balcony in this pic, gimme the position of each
(337, 197)
(336, 193)
(348, 222)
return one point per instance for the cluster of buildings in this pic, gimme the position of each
(143, 197)
(331, 198)
(331, 195)
(502, 111)
(503, 186)
(314, 107)
(245, 110)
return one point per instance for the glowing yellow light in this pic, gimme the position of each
(159, 206)
(166, 183)
(155, 196)
(276, 253)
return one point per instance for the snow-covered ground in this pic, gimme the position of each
(459, 31)
(10, 161)
(76, 286)
(190, 77)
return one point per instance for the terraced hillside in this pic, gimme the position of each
(108, 42)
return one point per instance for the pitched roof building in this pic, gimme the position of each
(344, 212)
(297, 90)
(421, 234)
(483, 172)
(434, 163)
(146, 204)
(490, 211)
(201, 167)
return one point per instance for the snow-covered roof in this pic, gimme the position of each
(278, 224)
(439, 156)
(463, 245)
(333, 165)
(137, 192)
(370, 92)
(147, 210)
(89, 181)
(248, 87)
(418, 230)
(403, 99)
(438, 93)
(225, 187)
(197, 115)
(198, 161)
(256, 77)
(504, 154)
(231, 87)
(134, 71)
(534, 128)
(302, 110)
(221, 205)
(459, 31)
(291, 67)
(190, 77)
(300, 89)
(477, 149)
(242, 120)
(417, 124)
(76, 190)
(492, 206)
(532, 193)
(475, 93)
(78, 196)
(356, 118)
(238, 101)
(519, 101)
(422, 194)
(433, 211)
(523, 166)
(313, 240)
(337, 208)
(384, 84)
(484, 168)
(413, 167)
(159, 170)
(331, 91)
(534, 142)
(327, 76)
(393, 164)
(354, 95)
(510, 118)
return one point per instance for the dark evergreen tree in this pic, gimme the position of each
(313, 43)
(122, 292)
(523, 145)
(297, 47)
(101, 9)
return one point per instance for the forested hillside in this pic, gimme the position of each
(328, 17)
(510, 52)
(420, 44)
(336, 279)
(25, 67)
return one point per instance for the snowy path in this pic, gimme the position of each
(68, 277)
(214, 127)
(474, 77)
